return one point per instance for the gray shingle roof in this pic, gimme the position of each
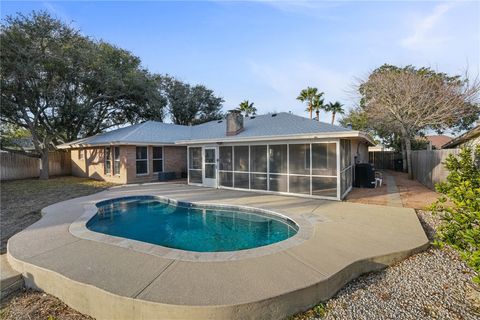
(276, 124)
(269, 125)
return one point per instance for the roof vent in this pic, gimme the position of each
(252, 117)
(234, 122)
(219, 121)
(274, 115)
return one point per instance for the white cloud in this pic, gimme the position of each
(424, 35)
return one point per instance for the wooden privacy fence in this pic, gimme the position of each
(16, 166)
(427, 165)
(385, 160)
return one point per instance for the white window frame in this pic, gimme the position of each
(153, 159)
(115, 160)
(136, 160)
(106, 160)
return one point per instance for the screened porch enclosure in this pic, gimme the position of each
(320, 169)
(280, 168)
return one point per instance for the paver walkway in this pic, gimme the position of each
(393, 196)
(396, 191)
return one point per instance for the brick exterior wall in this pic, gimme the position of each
(175, 160)
(79, 164)
(92, 164)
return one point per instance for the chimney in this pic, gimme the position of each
(234, 122)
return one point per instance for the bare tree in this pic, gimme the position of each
(409, 100)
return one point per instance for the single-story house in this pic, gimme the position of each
(437, 141)
(470, 138)
(279, 152)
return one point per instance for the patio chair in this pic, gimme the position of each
(378, 178)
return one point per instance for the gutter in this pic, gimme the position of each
(326, 135)
(322, 135)
(112, 143)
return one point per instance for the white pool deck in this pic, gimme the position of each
(108, 278)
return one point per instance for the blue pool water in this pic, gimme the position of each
(156, 221)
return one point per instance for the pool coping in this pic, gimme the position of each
(305, 230)
(108, 281)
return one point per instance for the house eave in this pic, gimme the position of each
(112, 143)
(320, 135)
(463, 138)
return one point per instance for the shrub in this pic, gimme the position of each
(459, 207)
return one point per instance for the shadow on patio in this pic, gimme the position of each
(397, 190)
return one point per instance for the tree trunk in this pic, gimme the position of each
(310, 110)
(404, 156)
(408, 147)
(333, 117)
(318, 115)
(44, 165)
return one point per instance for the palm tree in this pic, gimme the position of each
(309, 95)
(247, 108)
(318, 105)
(334, 108)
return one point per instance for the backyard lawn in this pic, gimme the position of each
(22, 200)
(434, 284)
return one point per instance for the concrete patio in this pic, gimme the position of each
(106, 280)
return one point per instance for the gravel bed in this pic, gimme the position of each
(33, 305)
(434, 284)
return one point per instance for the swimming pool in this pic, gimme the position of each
(189, 227)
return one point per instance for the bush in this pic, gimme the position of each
(459, 207)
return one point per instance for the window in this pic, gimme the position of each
(278, 158)
(226, 166)
(299, 168)
(108, 160)
(299, 158)
(142, 160)
(80, 154)
(241, 158)
(157, 159)
(241, 167)
(195, 165)
(278, 164)
(116, 160)
(258, 158)
(226, 159)
(324, 159)
(258, 164)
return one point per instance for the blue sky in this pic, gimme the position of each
(267, 51)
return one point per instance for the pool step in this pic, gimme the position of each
(10, 280)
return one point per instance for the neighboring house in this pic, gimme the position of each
(468, 139)
(24, 143)
(279, 152)
(437, 141)
(380, 148)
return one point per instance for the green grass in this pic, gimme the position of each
(22, 200)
